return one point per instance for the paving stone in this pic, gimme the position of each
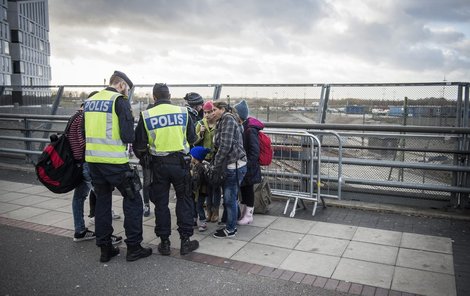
(322, 245)
(8, 207)
(371, 252)
(308, 279)
(292, 225)
(278, 238)
(320, 282)
(362, 272)
(217, 247)
(260, 254)
(343, 286)
(333, 230)
(368, 291)
(331, 284)
(426, 243)
(24, 213)
(310, 263)
(355, 289)
(297, 277)
(378, 236)
(430, 261)
(423, 282)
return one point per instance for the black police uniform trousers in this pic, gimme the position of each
(172, 169)
(104, 183)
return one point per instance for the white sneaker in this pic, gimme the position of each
(114, 215)
(202, 226)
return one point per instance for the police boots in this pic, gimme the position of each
(136, 252)
(108, 252)
(187, 246)
(164, 246)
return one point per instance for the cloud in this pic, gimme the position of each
(264, 41)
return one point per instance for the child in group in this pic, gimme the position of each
(198, 154)
(205, 130)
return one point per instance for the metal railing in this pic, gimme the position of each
(26, 135)
(418, 149)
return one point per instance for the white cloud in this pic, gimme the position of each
(260, 41)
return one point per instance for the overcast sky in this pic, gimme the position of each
(260, 41)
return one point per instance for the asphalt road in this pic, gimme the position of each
(35, 263)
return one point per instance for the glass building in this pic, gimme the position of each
(25, 51)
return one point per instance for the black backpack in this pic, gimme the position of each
(56, 168)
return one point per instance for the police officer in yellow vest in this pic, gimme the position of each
(166, 131)
(109, 127)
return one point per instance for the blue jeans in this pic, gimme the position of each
(231, 187)
(213, 198)
(79, 196)
(199, 208)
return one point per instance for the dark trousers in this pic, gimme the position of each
(147, 174)
(132, 207)
(173, 170)
(248, 195)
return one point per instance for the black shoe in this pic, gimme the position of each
(187, 246)
(85, 235)
(136, 252)
(108, 252)
(164, 247)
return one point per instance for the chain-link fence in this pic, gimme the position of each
(383, 162)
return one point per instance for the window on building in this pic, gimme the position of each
(18, 67)
(6, 47)
(16, 36)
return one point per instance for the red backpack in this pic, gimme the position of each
(265, 149)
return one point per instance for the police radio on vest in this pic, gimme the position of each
(99, 106)
(159, 121)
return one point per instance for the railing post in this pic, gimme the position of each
(217, 91)
(55, 106)
(323, 106)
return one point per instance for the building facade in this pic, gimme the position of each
(26, 62)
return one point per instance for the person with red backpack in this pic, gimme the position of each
(251, 143)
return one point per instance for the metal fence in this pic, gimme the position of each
(399, 140)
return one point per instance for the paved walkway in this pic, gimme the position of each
(350, 258)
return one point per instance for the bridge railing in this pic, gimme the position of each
(401, 162)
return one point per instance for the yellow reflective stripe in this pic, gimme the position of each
(117, 154)
(185, 142)
(109, 118)
(104, 141)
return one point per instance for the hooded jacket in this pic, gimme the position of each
(251, 127)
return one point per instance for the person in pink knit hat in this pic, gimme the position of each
(205, 130)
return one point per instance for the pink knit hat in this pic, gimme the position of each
(208, 106)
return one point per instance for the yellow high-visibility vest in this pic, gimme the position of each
(103, 137)
(166, 126)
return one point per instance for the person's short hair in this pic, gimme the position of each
(161, 91)
(92, 93)
(119, 76)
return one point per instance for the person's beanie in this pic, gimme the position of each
(193, 99)
(242, 110)
(208, 106)
(199, 152)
